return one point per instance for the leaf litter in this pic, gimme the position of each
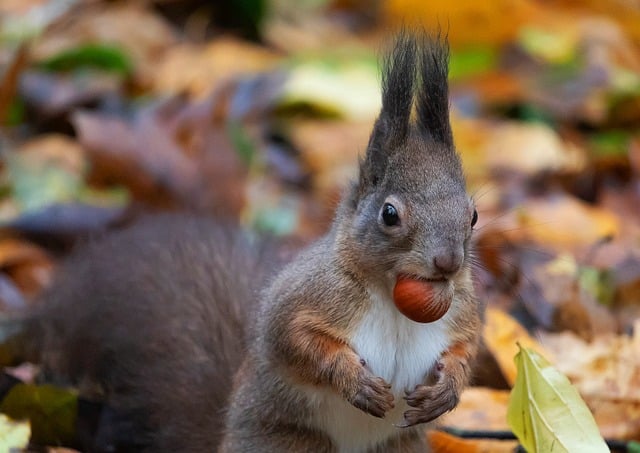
(112, 108)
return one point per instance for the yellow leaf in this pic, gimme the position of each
(501, 334)
(13, 435)
(546, 412)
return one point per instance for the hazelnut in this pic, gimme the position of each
(415, 299)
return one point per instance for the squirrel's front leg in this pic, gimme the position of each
(319, 354)
(451, 373)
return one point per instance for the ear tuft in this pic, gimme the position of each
(392, 126)
(398, 81)
(433, 94)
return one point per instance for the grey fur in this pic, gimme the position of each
(415, 167)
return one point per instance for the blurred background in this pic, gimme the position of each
(256, 111)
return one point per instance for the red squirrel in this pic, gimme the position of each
(333, 362)
(334, 366)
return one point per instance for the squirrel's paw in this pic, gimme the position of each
(373, 395)
(430, 401)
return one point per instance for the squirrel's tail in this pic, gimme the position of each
(153, 319)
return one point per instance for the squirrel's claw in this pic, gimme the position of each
(373, 396)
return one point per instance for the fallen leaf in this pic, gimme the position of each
(479, 409)
(546, 412)
(29, 267)
(562, 222)
(467, 21)
(141, 34)
(65, 223)
(502, 334)
(562, 295)
(198, 69)
(530, 149)
(14, 435)
(330, 150)
(47, 170)
(51, 411)
(102, 57)
(16, 252)
(346, 89)
(440, 442)
(51, 96)
(9, 81)
(168, 154)
(606, 371)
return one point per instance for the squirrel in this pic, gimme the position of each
(334, 365)
(333, 361)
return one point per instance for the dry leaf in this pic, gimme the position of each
(441, 442)
(197, 70)
(480, 408)
(561, 222)
(606, 371)
(502, 334)
(468, 21)
(530, 149)
(29, 267)
(14, 435)
(171, 153)
(144, 35)
(330, 150)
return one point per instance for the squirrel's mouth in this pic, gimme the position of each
(422, 278)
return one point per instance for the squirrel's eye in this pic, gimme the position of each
(474, 219)
(390, 215)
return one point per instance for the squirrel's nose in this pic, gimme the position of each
(447, 262)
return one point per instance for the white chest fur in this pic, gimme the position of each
(395, 348)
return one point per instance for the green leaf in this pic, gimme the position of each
(471, 62)
(37, 185)
(546, 412)
(277, 220)
(598, 283)
(241, 141)
(611, 143)
(99, 56)
(51, 410)
(554, 46)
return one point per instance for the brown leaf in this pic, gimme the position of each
(480, 409)
(330, 150)
(10, 80)
(144, 35)
(606, 372)
(29, 267)
(554, 296)
(173, 153)
(197, 70)
(52, 95)
(561, 222)
(502, 334)
(530, 149)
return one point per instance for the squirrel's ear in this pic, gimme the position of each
(433, 95)
(392, 126)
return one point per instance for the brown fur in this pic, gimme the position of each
(303, 338)
(153, 318)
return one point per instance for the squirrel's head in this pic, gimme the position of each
(409, 211)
